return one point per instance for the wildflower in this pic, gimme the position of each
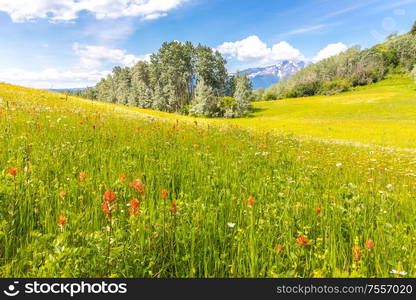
(106, 208)
(279, 248)
(81, 123)
(122, 177)
(134, 205)
(174, 209)
(369, 245)
(318, 210)
(339, 165)
(164, 193)
(62, 194)
(356, 253)
(402, 273)
(137, 185)
(302, 240)
(231, 225)
(109, 196)
(62, 220)
(298, 204)
(82, 176)
(250, 201)
(12, 171)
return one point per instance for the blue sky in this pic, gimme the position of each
(73, 43)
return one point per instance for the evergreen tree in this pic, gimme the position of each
(204, 104)
(243, 93)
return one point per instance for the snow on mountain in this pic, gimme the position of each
(267, 76)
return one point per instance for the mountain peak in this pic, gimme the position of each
(263, 77)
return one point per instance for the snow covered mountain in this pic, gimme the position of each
(267, 76)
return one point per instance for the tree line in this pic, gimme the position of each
(180, 78)
(351, 68)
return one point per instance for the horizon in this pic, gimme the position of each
(54, 45)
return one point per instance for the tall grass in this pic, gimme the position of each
(238, 204)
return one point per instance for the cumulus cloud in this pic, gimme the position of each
(252, 48)
(330, 50)
(68, 10)
(51, 78)
(257, 53)
(96, 56)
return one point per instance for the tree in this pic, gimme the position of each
(204, 104)
(413, 30)
(243, 93)
(169, 80)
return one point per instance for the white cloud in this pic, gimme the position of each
(252, 48)
(330, 50)
(253, 52)
(51, 78)
(68, 10)
(95, 56)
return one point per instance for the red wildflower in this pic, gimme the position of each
(106, 208)
(12, 171)
(369, 245)
(122, 177)
(62, 194)
(82, 176)
(302, 240)
(81, 122)
(318, 210)
(164, 193)
(174, 209)
(109, 196)
(134, 203)
(138, 186)
(62, 220)
(250, 201)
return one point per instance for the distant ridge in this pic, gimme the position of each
(263, 77)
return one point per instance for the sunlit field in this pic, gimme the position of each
(89, 189)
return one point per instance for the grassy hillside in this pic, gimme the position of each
(383, 113)
(90, 189)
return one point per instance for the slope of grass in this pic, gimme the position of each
(382, 114)
(319, 209)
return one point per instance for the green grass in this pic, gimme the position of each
(363, 193)
(383, 113)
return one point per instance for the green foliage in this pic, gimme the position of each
(205, 103)
(269, 96)
(334, 87)
(167, 82)
(351, 68)
(243, 94)
(258, 94)
(414, 73)
(413, 30)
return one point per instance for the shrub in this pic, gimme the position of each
(334, 87)
(269, 96)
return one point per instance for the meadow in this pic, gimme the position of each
(89, 189)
